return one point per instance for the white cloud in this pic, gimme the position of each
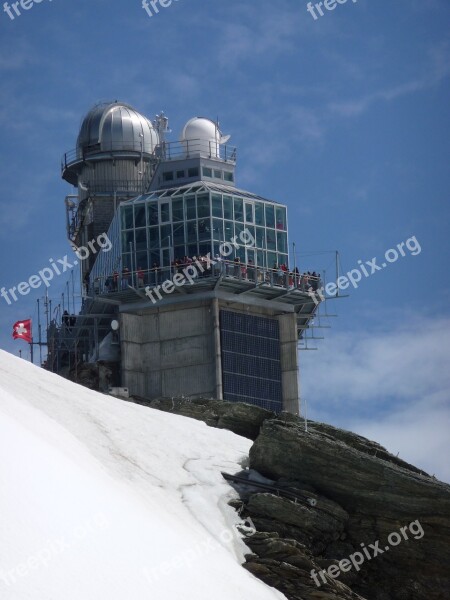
(391, 386)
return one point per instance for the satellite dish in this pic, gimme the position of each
(224, 139)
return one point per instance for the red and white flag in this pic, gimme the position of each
(22, 331)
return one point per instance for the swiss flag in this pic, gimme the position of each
(22, 331)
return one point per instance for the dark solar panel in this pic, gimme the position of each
(251, 365)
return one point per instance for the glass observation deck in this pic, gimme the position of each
(154, 231)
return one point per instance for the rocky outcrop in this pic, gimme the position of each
(378, 526)
(243, 419)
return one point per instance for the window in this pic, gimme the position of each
(282, 242)
(204, 229)
(249, 212)
(180, 174)
(203, 206)
(270, 216)
(281, 218)
(260, 237)
(229, 230)
(271, 241)
(193, 172)
(153, 235)
(217, 210)
(218, 230)
(192, 232)
(166, 236)
(165, 212)
(238, 210)
(207, 172)
(228, 176)
(191, 213)
(217, 174)
(168, 176)
(178, 234)
(127, 239)
(177, 210)
(127, 217)
(228, 207)
(259, 213)
(139, 215)
(152, 213)
(141, 239)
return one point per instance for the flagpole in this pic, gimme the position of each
(31, 352)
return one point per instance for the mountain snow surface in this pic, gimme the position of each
(104, 499)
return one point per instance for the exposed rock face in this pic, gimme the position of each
(363, 495)
(243, 419)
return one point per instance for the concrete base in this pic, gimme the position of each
(174, 350)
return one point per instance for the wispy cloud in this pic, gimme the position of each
(392, 386)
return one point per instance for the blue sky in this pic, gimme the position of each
(344, 118)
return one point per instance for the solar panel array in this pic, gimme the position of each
(251, 367)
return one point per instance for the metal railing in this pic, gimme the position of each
(231, 270)
(164, 151)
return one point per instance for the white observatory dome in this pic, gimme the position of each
(201, 136)
(116, 126)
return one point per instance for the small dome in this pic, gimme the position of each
(116, 126)
(203, 135)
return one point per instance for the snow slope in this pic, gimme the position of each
(104, 499)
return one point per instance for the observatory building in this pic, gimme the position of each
(196, 294)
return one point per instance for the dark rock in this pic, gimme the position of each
(244, 419)
(371, 495)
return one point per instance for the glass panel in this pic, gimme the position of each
(166, 236)
(191, 231)
(272, 260)
(218, 229)
(282, 242)
(193, 172)
(228, 207)
(248, 237)
(203, 206)
(191, 213)
(141, 239)
(179, 252)
(165, 212)
(192, 250)
(127, 217)
(141, 261)
(139, 215)
(270, 215)
(152, 213)
(180, 174)
(126, 261)
(217, 174)
(238, 210)
(261, 259)
(153, 233)
(259, 213)
(260, 237)
(127, 238)
(168, 176)
(271, 241)
(154, 259)
(207, 172)
(229, 230)
(204, 229)
(238, 229)
(283, 259)
(166, 259)
(217, 210)
(178, 234)
(177, 210)
(228, 176)
(249, 212)
(203, 249)
(281, 217)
